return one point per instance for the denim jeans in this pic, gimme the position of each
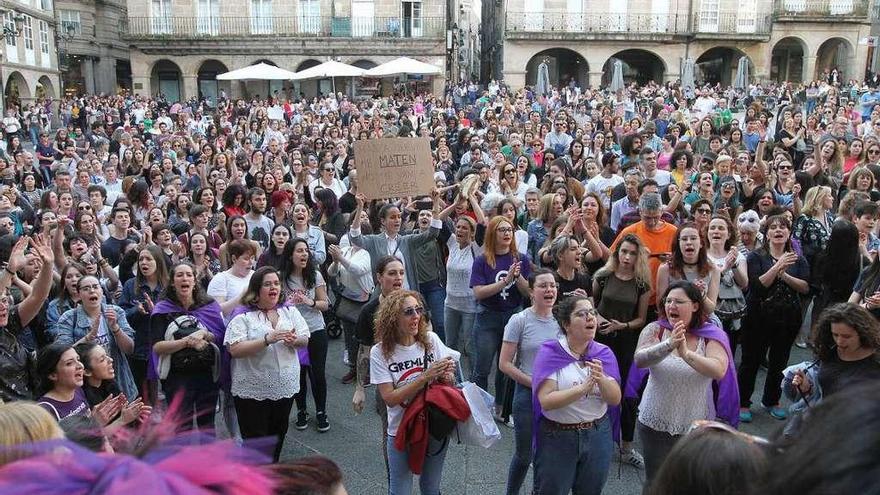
(459, 327)
(435, 298)
(575, 461)
(401, 478)
(488, 332)
(522, 437)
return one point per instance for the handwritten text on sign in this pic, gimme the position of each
(394, 167)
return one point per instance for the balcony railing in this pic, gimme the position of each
(297, 26)
(823, 9)
(589, 24)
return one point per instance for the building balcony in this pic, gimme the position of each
(824, 10)
(587, 26)
(207, 28)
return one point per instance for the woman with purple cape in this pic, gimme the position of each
(576, 396)
(186, 327)
(689, 370)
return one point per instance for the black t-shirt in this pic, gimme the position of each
(836, 375)
(566, 288)
(364, 330)
(15, 362)
(96, 395)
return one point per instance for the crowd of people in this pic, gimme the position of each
(613, 267)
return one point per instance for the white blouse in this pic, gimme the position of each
(273, 373)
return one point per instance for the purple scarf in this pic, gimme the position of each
(551, 358)
(209, 315)
(725, 391)
(302, 352)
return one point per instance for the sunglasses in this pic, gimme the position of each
(703, 424)
(413, 311)
(785, 167)
(873, 152)
(747, 220)
(704, 211)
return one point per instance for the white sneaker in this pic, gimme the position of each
(633, 458)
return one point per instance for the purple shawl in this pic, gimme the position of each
(725, 391)
(551, 358)
(302, 353)
(209, 315)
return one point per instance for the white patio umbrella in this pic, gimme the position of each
(404, 66)
(257, 72)
(330, 68)
(742, 74)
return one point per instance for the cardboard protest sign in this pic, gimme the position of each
(394, 167)
(275, 113)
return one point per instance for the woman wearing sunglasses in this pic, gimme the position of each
(407, 359)
(576, 392)
(684, 356)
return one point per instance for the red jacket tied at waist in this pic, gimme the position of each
(413, 429)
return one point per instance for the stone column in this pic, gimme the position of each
(438, 85)
(106, 77)
(515, 79)
(595, 79)
(809, 68)
(190, 86)
(141, 85)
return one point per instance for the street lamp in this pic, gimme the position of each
(67, 36)
(18, 19)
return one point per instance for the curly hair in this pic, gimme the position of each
(859, 319)
(386, 321)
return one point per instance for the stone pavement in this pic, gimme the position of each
(354, 442)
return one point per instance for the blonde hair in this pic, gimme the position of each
(813, 199)
(641, 270)
(23, 423)
(386, 323)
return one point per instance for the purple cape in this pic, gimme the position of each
(551, 358)
(209, 315)
(725, 391)
(302, 353)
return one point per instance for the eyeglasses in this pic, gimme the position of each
(413, 311)
(89, 288)
(703, 424)
(328, 170)
(584, 313)
(510, 171)
(704, 211)
(504, 230)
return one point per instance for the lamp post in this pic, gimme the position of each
(13, 32)
(63, 55)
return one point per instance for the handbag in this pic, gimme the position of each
(480, 429)
(731, 301)
(191, 360)
(440, 424)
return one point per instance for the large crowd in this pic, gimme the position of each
(610, 266)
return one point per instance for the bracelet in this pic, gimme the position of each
(10, 271)
(266, 339)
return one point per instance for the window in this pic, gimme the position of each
(9, 23)
(70, 18)
(534, 15)
(27, 32)
(161, 17)
(362, 15)
(659, 16)
(747, 17)
(618, 18)
(44, 37)
(310, 16)
(209, 17)
(574, 17)
(46, 4)
(709, 16)
(261, 17)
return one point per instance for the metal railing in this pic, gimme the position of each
(299, 26)
(643, 24)
(824, 8)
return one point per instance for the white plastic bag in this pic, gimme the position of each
(480, 429)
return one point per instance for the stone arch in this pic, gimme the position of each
(563, 64)
(313, 87)
(265, 61)
(45, 88)
(166, 78)
(639, 65)
(836, 53)
(719, 64)
(364, 64)
(787, 60)
(206, 79)
(17, 89)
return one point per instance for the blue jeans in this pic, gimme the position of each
(522, 437)
(401, 478)
(435, 298)
(573, 461)
(459, 327)
(488, 332)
